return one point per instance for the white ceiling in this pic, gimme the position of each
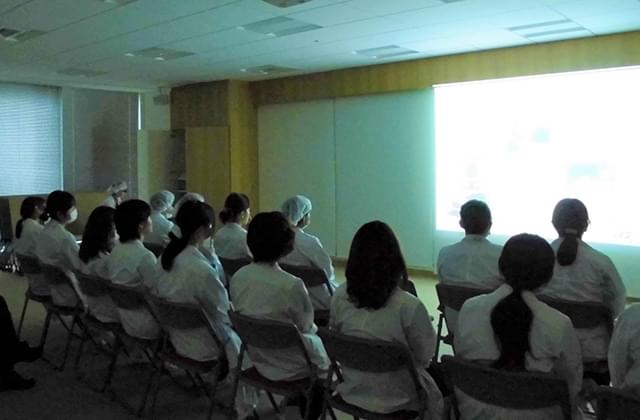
(95, 35)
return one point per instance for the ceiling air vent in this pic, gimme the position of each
(285, 3)
(160, 54)
(268, 69)
(17, 35)
(543, 29)
(386, 52)
(279, 26)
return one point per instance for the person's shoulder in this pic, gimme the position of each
(630, 314)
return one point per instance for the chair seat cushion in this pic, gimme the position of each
(337, 402)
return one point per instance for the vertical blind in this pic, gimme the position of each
(30, 146)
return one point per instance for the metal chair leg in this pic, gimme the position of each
(439, 336)
(24, 310)
(214, 387)
(145, 396)
(112, 365)
(68, 345)
(45, 329)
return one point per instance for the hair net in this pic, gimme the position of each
(190, 196)
(162, 200)
(117, 187)
(296, 208)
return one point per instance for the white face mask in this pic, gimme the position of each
(73, 216)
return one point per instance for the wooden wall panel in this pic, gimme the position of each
(199, 105)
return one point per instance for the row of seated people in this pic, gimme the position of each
(369, 305)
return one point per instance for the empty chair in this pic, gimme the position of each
(507, 389)
(372, 356)
(31, 269)
(615, 404)
(312, 277)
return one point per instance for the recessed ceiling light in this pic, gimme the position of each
(271, 34)
(241, 28)
(129, 55)
(243, 70)
(386, 52)
(159, 58)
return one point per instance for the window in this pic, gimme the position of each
(30, 146)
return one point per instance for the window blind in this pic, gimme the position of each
(30, 146)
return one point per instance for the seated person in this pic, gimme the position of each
(472, 262)
(624, 351)
(161, 209)
(98, 240)
(372, 305)
(28, 230)
(583, 274)
(263, 290)
(131, 264)
(117, 192)
(511, 329)
(231, 240)
(57, 246)
(307, 249)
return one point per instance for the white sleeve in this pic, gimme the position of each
(70, 251)
(301, 309)
(149, 271)
(421, 337)
(615, 291)
(322, 260)
(624, 350)
(569, 362)
(213, 298)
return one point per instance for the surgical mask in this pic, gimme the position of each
(73, 216)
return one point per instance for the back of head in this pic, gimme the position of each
(375, 266)
(129, 217)
(270, 237)
(296, 208)
(27, 211)
(190, 196)
(59, 203)
(475, 217)
(162, 200)
(234, 205)
(117, 187)
(526, 263)
(99, 233)
(570, 219)
(192, 216)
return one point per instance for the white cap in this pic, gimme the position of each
(117, 187)
(162, 200)
(296, 208)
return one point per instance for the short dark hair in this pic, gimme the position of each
(27, 208)
(270, 237)
(59, 202)
(98, 233)
(475, 217)
(375, 266)
(129, 215)
(234, 205)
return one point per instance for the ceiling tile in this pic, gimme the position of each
(332, 15)
(386, 7)
(47, 15)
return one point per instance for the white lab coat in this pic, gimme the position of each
(192, 279)
(231, 242)
(472, 262)
(161, 228)
(624, 352)
(404, 319)
(57, 246)
(308, 252)
(131, 264)
(553, 346)
(101, 307)
(110, 201)
(26, 245)
(266, 291)
(591, 278)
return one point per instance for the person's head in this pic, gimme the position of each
(236, 209)
(162, 201)
(99, 234)
(61, 206)
(475, 217)
(270, 237)
(31, 208)
(118, 190)
(132, 220)
(195, 222)
(190, 196)
(297, 210)
(375, 266)
(570, 219)
(526, 264)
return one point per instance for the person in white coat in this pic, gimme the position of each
(231, 239)
(583, 274)
(161, 209)
(117, 193)
(511, 329)
(28, 229)
(98, 239)
(307, 249)
(624, 351)
(263, 290)
(57, 246)
(131, 264)
(190, 196)
(472, 262)
(372, 305)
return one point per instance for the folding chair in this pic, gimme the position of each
(130, 298)
(272, 336)
(452, 297)
(173, 316)
(30, 267)
(372, 356)
(55, 276)
(586, 315)
(157, 249)
(312, 277)
(615, 404)
(231, 266)
(507, 389)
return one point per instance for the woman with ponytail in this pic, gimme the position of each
(511, 329)
(57, 246)
(231, 240)
(583, 274)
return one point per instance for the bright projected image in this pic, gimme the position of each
(522, 144)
